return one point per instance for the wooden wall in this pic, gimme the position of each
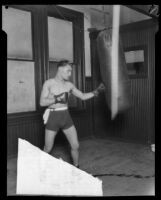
(137, 124)
(28, 127)
(141, 118)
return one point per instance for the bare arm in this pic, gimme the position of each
(89, 95)
(81, 95)
(46, 99)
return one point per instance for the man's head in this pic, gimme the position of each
(64, 69)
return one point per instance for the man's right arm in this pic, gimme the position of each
(45, 100)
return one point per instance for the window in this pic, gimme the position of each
(17, 24)
(61, 46)
(20, 65)
(60, 39)
(21, 86)
(136, 61)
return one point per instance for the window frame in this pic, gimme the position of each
(34, 59)
(77, 19)
(40, 52)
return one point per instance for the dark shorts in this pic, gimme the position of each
(59, 120)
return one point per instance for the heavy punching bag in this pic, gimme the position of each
(104, 48)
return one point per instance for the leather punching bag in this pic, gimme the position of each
(104, 48)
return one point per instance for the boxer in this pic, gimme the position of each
(54, 95)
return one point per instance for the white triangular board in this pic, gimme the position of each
(39, 173)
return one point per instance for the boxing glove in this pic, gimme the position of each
(99, 89)
(61, 98)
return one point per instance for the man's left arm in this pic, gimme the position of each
(86, 96)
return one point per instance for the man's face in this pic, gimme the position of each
(66, 72)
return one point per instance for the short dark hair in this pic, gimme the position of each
(63, 63)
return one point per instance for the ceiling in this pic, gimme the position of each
(127, 15)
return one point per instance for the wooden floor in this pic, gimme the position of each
(126, 169)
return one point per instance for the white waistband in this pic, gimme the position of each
(56, 109)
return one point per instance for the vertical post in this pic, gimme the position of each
(114, 66)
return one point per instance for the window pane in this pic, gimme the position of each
(20, 86)
(52, 69)
(134, 56)
(60, 34)
(17, 24)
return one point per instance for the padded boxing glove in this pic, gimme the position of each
(99, 89)
(61, 98)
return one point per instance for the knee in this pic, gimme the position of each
(75, 146)
(47, 149)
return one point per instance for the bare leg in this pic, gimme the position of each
(49, 140)
(71, 135)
